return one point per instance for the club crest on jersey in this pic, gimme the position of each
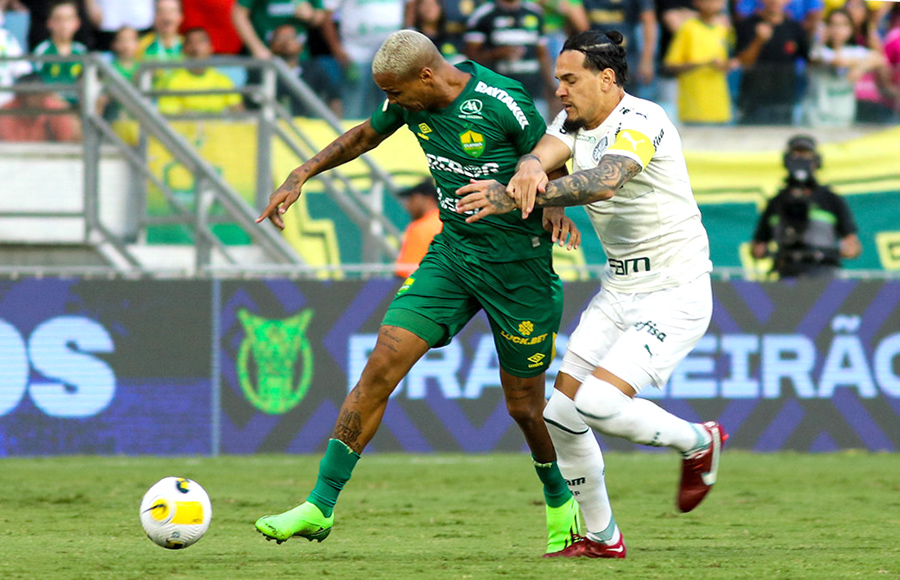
(472, 143)
(471, 109)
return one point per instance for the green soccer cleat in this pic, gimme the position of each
(564, 526)
(305, 521)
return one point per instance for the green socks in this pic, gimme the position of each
(556, 492)
(335, 470)
(337, 466)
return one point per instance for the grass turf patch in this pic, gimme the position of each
(771, 516)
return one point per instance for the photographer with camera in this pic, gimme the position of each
(811, 225)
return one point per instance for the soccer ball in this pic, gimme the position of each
(175, 512)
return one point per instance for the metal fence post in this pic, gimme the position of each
(264, 132)
(91, 140)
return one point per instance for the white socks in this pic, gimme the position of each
(581, 464)
(612, 412)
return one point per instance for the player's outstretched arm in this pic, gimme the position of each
(488, 197)
(347, 147)
(597, 184)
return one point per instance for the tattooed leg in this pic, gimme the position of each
(396, 351)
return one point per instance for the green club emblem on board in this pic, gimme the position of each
(472, 143)
(275, 361)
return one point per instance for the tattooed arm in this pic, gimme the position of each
(580, 188)
(597, 184)
(347, 147)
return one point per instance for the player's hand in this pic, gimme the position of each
(562, 229)
(529, 179)
(482, 198)
(279, 202)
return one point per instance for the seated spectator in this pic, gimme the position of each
(125, 49)
(197, 46)
(164, 42)
(89, 12)
(769, 43)
(12, 69)
(286, 45)
(32, 123)
(698, 55)
(421, 203)
(835, 67)
(62, 24)
(125, 61)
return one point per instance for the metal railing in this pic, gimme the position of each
(214, 200)
(275, 123)
(99, 80)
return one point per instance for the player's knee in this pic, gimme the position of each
(602, 402)
(560, 410)
(525, 412)
(377, 380)
(387, 366)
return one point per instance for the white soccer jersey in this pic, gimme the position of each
(650, 229)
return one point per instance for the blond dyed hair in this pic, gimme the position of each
(404, 54)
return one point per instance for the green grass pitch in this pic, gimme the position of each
(771, 516)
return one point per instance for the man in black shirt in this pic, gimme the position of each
(769, 44)
(810, 224)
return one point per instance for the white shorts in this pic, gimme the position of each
(640, 338)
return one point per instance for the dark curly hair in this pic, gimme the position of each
(601, 51)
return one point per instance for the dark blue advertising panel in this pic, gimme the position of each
(285, 348)
(135, 367)
(104, 367)
(812, 366)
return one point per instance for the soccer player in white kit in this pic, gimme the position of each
(656, 296)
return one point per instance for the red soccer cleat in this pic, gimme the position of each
(585, 548)
(698, 472)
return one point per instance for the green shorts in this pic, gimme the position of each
(523, 302)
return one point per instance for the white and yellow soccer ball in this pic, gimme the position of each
(175, 512)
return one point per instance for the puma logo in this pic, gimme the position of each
(634, 144)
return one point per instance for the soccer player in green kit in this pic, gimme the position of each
(472, 124)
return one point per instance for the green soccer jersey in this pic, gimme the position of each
(59, 72)
(481, 135)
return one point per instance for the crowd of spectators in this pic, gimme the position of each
(802, 62)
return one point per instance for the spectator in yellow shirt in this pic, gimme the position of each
(698, 56)
(197, 46)
(421, 203)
